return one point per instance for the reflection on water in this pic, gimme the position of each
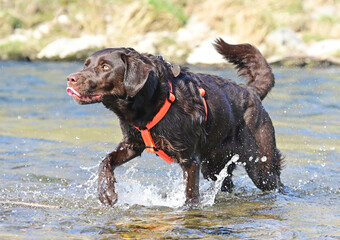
(50, 149)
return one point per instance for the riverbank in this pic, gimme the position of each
(287, 32)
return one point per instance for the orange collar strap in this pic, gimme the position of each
(146, 134)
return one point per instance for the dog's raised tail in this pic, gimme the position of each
(250, 64)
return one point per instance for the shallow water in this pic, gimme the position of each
(50, 149)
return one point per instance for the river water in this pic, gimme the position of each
(50, 149)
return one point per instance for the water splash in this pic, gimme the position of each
(91, 184)
(208, 196)
(134, 188)
(168, 191)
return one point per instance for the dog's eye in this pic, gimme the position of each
(105, 67)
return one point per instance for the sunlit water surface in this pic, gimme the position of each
(50, 149)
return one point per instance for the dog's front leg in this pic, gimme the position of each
(191, 176)
(106, 180)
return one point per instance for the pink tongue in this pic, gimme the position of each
(70, 91)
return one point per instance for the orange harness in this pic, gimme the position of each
(146, 134)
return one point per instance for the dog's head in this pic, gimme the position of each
(118, 72)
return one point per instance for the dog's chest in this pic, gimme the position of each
(164, 143)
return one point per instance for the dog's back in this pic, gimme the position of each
(250, 64)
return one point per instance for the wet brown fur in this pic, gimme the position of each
(136, 86)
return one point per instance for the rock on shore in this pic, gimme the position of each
(191, 44)
(64, 48)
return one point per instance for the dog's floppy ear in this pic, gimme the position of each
(136, 74)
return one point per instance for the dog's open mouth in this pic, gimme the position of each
(82, 99)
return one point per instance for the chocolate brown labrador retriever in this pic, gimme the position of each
(233, 123)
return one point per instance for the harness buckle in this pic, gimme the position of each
(151, 149)
(171, 97)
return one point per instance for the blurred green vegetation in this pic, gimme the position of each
(337, 54)
(249, 20)
(170, 7)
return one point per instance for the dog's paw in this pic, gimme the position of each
(192, 203)
(106, 184)
(106, 190)
(227, 185)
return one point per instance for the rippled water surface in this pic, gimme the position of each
(50, 149)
